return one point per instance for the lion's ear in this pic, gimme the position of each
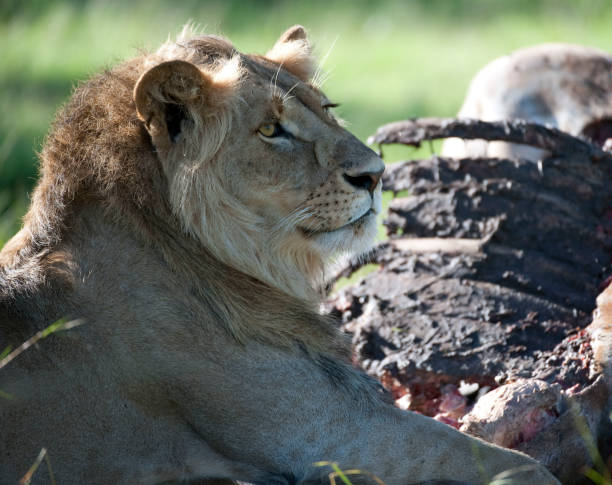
(293, 51)
(167, 95)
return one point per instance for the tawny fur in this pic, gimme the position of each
(192, 247)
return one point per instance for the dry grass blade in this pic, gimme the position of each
(54, 327)
(51, 475)
(342, 474)
(27, 478)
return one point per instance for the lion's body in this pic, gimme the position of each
(562, 85)
(191, 251)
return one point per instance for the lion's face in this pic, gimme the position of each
(259, 168)
(292, 163)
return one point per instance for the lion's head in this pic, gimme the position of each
(259, 169)
(241, 151)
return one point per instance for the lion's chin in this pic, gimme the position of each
(356, 237)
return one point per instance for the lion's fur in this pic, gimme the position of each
(192, 247)
(123, 172)
(293, 52)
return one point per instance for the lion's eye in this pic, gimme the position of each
(270, 130)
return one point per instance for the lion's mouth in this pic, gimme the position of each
(359, 221)
(352, 224)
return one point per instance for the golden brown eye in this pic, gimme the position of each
(267, 129)
(270, 130)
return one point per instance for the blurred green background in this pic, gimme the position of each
(388, 59)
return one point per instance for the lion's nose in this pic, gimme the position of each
(366, 180)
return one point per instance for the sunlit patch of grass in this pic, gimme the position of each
(13, 205)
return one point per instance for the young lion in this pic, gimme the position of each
(189, 203)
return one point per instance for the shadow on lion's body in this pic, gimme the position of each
(201, 355)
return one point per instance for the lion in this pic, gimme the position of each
(190, 204)
(565, 86)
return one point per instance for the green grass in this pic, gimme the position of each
(391, 59)
(338, 475)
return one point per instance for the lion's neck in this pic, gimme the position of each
(246, 307)
(298, 274)
(272, 255)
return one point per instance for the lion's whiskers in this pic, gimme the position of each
(291, 221)
(287, 96)
(319, 78)
(274, 81)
